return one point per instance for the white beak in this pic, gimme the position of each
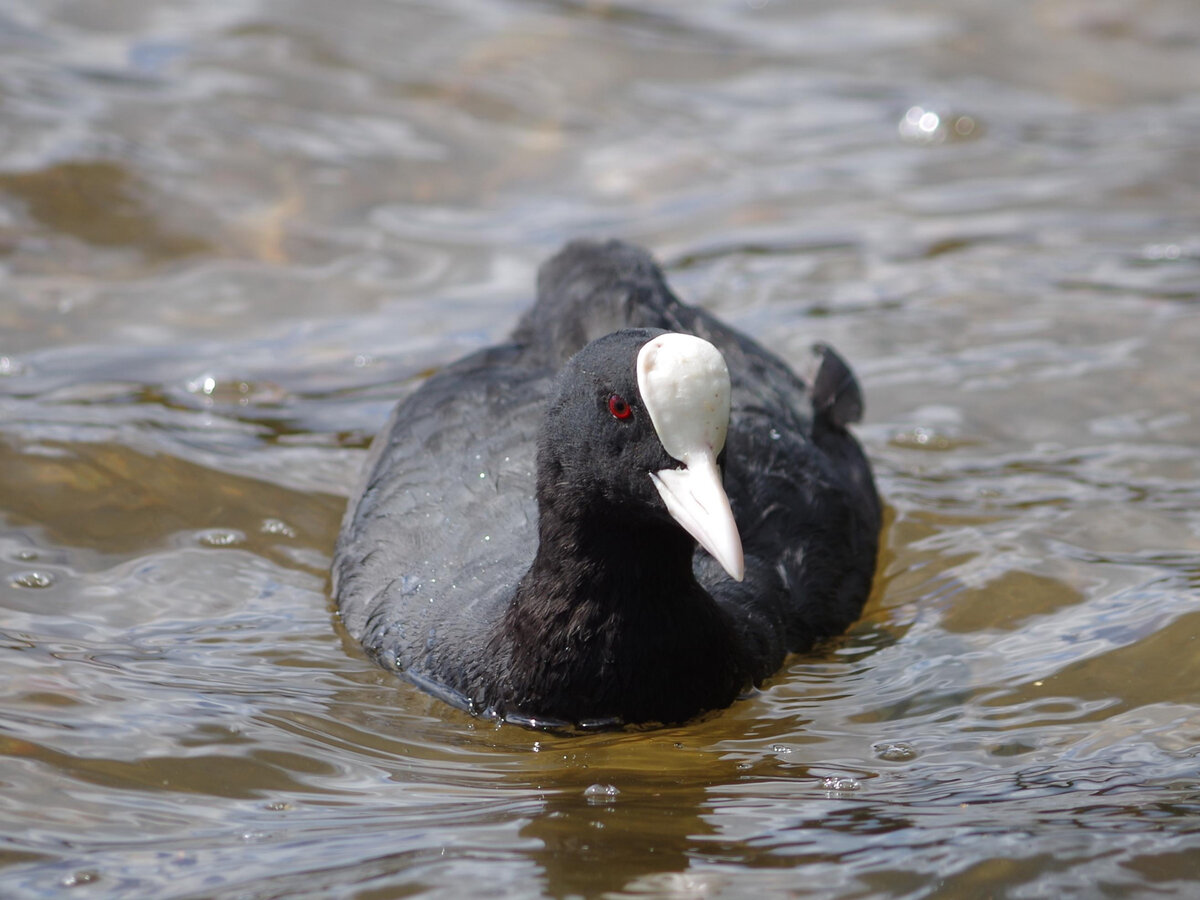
(685, 387)
(696, 500)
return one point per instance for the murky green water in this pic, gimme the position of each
(232, 234)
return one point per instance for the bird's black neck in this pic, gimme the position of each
(610, 623)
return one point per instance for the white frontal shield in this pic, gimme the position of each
(684, 384)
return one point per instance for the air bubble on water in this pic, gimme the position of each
(920, 437)
(597, 794)
(926, 126)
(204, 384)
(1154, 253)
(218, 537)
(80, 878)
(277, 526)
(895, 751)
(33, 580)
(840, 784)
(10, 366)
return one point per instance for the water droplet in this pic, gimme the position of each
(780, 748)
(27, 555)
(33, 580)
(895, 751)
(840, 783)
(277, 806)
(597, 794)
(775, 435)
(483, 474)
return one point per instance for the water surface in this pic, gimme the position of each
(232, 235)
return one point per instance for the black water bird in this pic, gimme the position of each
(627, 513)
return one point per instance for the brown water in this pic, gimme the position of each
(232, 234)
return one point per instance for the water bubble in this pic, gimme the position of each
(921, 438)
(926, 126)
(601, 793)
(1158, 253)
(277, 526)
(218, 537)
(80, 878)
(840, 784)
(10, 366)
(33, 580)
(895, 751)
(205, 384)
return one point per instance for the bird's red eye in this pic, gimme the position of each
(619, 407)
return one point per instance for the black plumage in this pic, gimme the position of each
(560, 591)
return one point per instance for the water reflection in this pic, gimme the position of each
(101, 203)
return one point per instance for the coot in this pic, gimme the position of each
(542, 534)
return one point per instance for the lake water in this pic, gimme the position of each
(233, 234)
